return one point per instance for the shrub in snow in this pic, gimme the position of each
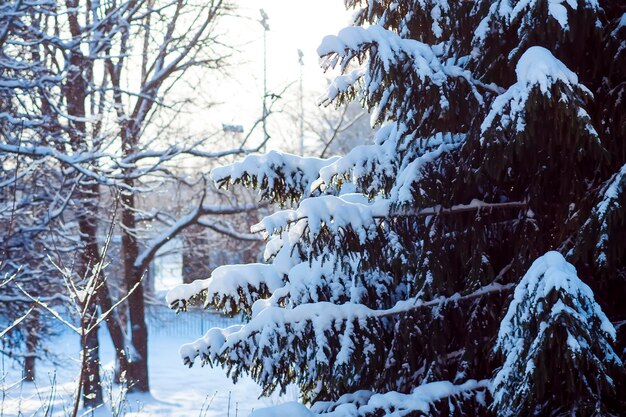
(388, 270)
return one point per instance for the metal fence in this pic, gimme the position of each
(162, 321)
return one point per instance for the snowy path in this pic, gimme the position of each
(176, 390)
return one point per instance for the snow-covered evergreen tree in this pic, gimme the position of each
(502, 137)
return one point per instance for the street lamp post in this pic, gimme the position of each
(300, 57)
(266, 28)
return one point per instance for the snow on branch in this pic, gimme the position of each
(336, 213)
(390, 49)
(391, 52)
(367, 403)
(230, 288)
(16, 323)
(171, 152)
(110, 169)
(343, 83)
(437, 15)
(193, 217)
(227, 229)
(614, 188)
(269, 321)
(536, 69)
(410, 176)
(79, 161)
(282, 177)
(369, 167)
(357, 213)
(548, 273)
(548, 303)
(379, 167)
(505, 12)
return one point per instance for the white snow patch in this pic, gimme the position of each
(537, 66)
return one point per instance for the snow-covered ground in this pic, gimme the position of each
(175, 389)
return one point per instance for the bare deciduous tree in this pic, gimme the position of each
(91, 125)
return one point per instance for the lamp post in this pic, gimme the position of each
(301, 61)
(266, 28)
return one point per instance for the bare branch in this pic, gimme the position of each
(16, 323)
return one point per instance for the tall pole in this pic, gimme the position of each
(301, 55)
(266, 27)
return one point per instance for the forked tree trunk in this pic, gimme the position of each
(75, 92)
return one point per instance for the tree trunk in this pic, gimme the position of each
(138, 360)
(88, 195)
(194, 266)
(32, 341)
(117, 331)
(92, 387)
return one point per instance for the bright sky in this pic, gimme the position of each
(294, 24)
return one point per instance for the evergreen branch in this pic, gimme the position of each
(377, 211)
(475, 205)
(420, 401)
(416, 303)
(321, 311)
